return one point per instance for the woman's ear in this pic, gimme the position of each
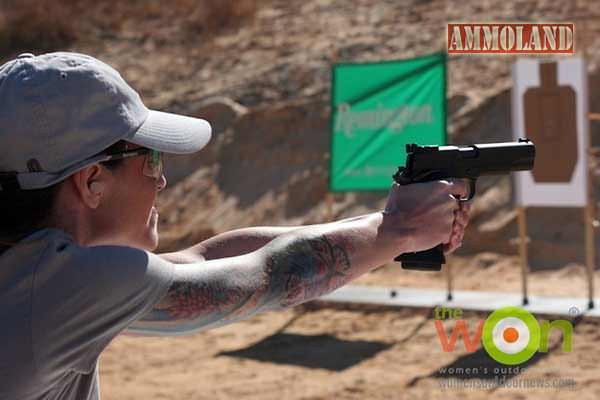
(90, 185)
(97, 187)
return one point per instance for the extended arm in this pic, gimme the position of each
(234, 243)
(305, 263)
(293, 268)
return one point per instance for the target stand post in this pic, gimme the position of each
(523, 241)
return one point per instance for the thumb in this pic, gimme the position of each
(392, 204)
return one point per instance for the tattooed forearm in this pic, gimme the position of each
(309, 269)
(288, 271)
(190, 300)
(209, 298)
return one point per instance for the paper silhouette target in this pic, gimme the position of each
(550, 107)
(550, 121)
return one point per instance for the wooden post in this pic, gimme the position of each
(590, 253)
(589, 213)
(589, 220)
(522, 220)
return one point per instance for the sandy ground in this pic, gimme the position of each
(317, 352)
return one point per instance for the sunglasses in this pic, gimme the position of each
(153, 164)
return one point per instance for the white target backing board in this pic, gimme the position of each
(558, 125)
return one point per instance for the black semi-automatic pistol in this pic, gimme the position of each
(432, 163)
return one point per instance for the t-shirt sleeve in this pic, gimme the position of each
(85, 296)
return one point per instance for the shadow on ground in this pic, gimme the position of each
(310, 351)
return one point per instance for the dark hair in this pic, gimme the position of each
(26, 211)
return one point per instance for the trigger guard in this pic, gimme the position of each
(472, 188)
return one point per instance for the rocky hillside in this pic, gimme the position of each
(264, 83)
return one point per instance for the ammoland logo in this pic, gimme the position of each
(510, 335)
(511, 38)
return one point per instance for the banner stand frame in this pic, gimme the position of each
(329, 195)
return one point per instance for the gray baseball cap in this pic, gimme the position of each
(59, 110)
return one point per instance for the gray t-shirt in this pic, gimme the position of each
(61, 304)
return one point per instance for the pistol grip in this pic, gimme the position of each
(428, 260)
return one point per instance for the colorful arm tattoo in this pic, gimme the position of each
(309, 269)
(295, 270)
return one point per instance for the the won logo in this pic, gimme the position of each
(510, 335)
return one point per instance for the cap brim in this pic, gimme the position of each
(172, 133)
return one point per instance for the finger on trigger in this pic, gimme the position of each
(459, 188)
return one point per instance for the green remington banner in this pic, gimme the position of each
(377, 108)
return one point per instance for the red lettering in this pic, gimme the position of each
(460, 328)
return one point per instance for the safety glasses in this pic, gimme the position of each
(153, 164)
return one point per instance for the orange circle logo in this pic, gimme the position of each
(511, 335)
